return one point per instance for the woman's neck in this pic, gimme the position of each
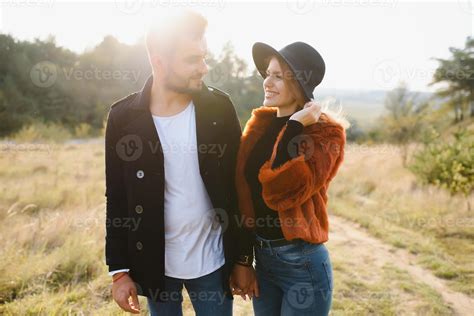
(286, 110)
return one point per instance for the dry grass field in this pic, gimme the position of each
(397, 248)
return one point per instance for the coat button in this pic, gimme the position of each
(139, 245)
(206, 173)
(140, 174)
(139, 209)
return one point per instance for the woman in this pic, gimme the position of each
(289, 152)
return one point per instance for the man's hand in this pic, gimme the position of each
(122, 291)
(308, 115)
(243, 281)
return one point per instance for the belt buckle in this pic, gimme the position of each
(260, 243)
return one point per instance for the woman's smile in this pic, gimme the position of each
(270, 94)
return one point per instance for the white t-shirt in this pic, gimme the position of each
(193, 235)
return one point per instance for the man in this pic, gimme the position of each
(170, 166)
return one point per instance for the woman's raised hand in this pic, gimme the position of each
(309, 114)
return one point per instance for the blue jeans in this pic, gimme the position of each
(293, 279)
(206, 294)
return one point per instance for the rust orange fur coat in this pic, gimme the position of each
(297, 190)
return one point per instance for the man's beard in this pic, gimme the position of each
(181, 85)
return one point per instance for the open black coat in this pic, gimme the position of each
(135, 182)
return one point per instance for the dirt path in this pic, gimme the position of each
(365, 250)
(379, 254)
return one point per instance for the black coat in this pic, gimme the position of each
(135, 182)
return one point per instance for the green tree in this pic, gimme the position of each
(405, 118)
(229, 72)
(458, 75)
(448, 164)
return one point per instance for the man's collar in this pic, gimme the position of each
(142, 100)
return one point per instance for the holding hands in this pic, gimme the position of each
(243, 281)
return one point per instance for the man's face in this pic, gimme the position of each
(187, 66)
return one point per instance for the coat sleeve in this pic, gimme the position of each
(116, 238)
(242, 237)
(298, 179)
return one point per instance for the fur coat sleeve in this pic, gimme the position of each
(294, 182)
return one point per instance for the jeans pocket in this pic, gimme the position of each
(328, 272)
(293, 259)
(310, 248)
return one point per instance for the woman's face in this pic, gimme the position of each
(277, 93)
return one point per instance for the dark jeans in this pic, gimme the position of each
(206, 294)
(293, 279)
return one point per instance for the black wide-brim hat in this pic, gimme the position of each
(305, 62)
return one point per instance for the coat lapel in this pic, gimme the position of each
(142, 124)
(205, 123)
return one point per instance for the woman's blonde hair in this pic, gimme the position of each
(297, 92)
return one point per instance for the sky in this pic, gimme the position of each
(366, 44)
